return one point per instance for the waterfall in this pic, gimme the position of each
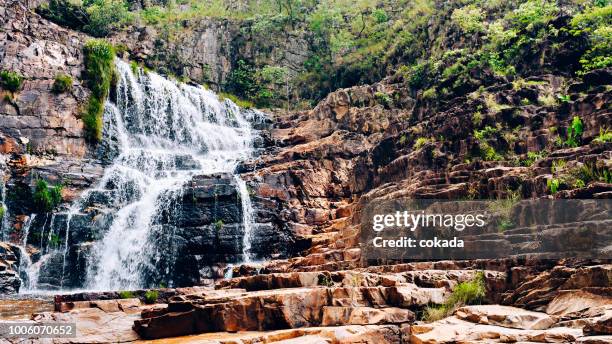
(247, 218)
(4, 220)
(25, 266)
(165, 133)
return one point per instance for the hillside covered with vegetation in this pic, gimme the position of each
(443, 49)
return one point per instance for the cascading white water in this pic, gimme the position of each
(166, 133)
(4, 219)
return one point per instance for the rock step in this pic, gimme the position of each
(311, 335)
(287, 308)
(350, 278)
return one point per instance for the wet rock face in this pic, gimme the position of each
(9, 267)
(210, 230)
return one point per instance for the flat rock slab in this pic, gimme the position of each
(574, 303)
(454, 330)
(505, 316)
(595, 340)
(94, 325)
(379, 334)
(333, 316)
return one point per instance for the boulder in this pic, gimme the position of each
(505, 316)
(334, 316)
(600, 325)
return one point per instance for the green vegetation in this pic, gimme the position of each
(263, 87)
(240, 102)
(604, 136)
(10, 81)
(384, 99)
(325, 280)
(218, 225)
(96, 17)
(503, 207)
(553, 185)
(487, 151)
(574, 132)
(421, 141)
(2, 211)
(54, 240)
(362, 41)
(100, 74)
(587, 173)
(595, 26)
(469, 18)
(566, 176)
(125, 294)
(62, 83)
(46, 197)
(465, 293)
(151, 296)
(532, 157)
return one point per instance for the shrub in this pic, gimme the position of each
(488, 153)
(532, 157)
(604, 136)
(553, 185)
(325, 280)
(477, 118)
(218, 225)
(533, 13)
(105, 16)
(383, 99)
(152, 15)
(54, 240)
(485, 133)
(595, 23)
(421, 141)
(96, 17)
(465, 293)
(469, 18)
(62, 83)
(564, 98)
(574, 132)
(418, 75)
(100, 73)
(151, 296)
(10, 81)
(592, 173)
(2, 211)
(125, 294)
(430, 93)
(99, 66)
(47, 198)
(66, 13)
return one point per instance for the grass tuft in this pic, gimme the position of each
(465, 293)
(62, 83)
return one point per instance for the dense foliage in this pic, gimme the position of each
(100, 74)
(10, 81)
(96, 17)
(46, 197)
(441, 48)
